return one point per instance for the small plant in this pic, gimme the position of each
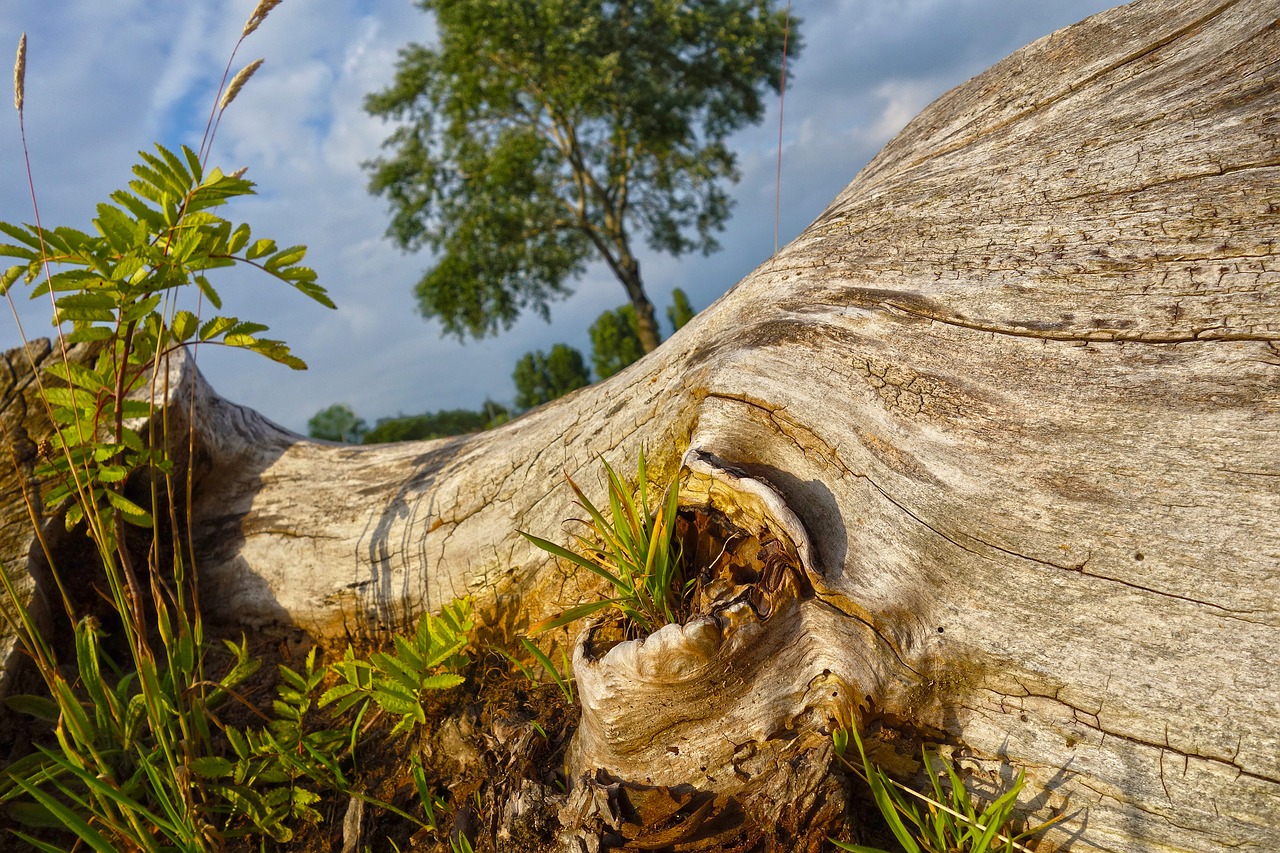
(426, 797)
(108, 778)
(278, 768)
(141, 758)
(632, 548)
(398, 682)
(561, 675)
(950, 821)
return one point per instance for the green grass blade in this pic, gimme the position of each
(40, 707)
(564, 683)
(573, 614)
(628, 519)
(425, 796)
(71, 819)
(74, 719)
(33, 814)
(996, 815)
(889, 805)
(576, 559)
(601, 526)
(165, 790)
(42, 846)
(88, 659)
(137, 815)
(642, 484)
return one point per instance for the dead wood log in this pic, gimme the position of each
(1003, 418)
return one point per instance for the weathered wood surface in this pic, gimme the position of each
(1020, 386)
(23, 423)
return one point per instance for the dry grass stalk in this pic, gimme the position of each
(259, 15)
(20, 73)
(237, 83)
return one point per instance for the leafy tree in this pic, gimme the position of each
(615, 335)
(441, 424)
(615, 341)
(679, 311)
(542, 134)
(542, 377)
(337, 423)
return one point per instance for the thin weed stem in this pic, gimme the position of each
(782, 102)
(19, 80)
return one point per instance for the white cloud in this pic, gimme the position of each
(903, 100)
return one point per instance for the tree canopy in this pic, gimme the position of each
(615, 341)
(339, 422)
(680, 311)
(541, 134)
(541, 377)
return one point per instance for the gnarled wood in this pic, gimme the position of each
(1020, 387)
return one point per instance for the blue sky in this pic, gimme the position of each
(106, 78)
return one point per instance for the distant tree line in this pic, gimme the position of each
(539, 378)
(339, 422)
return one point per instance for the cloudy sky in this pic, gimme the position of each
(106, 78)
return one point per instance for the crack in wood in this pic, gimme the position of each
(1097, 725)
(1204, 335)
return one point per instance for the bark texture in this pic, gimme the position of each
(1003, 421)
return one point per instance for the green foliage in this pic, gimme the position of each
(426, 797)
(127, 763)
(274, 772)
(398, 682)
(256, 780)
(339, 422)
(123, 771)
(632, 548)
(118, 289)
(679, 311)
(542, 377)
(540, 134)
(950, 821)
(441, 424)
(615, 341)
(138, 757)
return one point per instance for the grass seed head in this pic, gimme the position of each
(237, 82)
(259, 15)
(20, 73)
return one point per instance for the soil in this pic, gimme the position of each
(487, 738)
(493, 754)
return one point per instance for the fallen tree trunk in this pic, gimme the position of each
(1006, 413)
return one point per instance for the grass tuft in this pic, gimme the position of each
(632, 548)
(950, 821)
